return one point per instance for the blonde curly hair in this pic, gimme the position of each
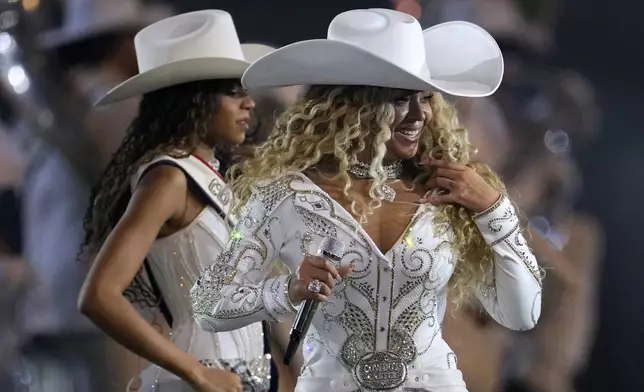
(337, 122)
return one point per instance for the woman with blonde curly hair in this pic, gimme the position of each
(374, 157)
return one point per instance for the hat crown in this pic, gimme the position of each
(199, 34)
(391, 35)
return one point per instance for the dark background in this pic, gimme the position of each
(605, 41)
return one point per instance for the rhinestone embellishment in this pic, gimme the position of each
(361, 170)
(315, 286)
(379, 370)
(393, 171)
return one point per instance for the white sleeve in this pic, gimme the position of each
(512, 295)
(236, 291)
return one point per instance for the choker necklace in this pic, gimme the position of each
(393, 171)
(361, 170)
(214, 162)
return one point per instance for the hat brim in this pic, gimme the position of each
(462, 58)
(255, 51)
(170, 74)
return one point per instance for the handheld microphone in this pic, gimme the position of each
(332, 250)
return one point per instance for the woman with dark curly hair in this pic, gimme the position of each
(160, 211)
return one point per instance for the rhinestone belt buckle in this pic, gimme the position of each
(379, 370)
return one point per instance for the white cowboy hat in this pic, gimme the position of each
(255, 51)
(198, 45)
(286, 94)
(387, 48)
(89, 18)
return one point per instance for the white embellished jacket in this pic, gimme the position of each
(381, 328)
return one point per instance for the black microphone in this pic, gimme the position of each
(332, 250)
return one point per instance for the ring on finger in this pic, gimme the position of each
(315, 286)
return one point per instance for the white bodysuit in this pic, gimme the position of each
(176, 262)
(381, 328)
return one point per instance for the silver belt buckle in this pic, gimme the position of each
(384, 370)
(380, 371)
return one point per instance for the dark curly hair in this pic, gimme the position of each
(172, 121)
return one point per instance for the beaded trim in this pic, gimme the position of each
(491, 208)
(498, 241)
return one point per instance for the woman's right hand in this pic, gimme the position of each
(217, 380)
(313, 267)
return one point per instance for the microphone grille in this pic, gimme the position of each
(331, 248)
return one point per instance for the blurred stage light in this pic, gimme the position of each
(30, 5)
(18, 79)
(8, 19)
(557, 141)
(6, 43)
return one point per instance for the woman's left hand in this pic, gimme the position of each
(465, 186)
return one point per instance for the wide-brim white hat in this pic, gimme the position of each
(387, 48)
(255, 51)
(200, 45)
(85, 19)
